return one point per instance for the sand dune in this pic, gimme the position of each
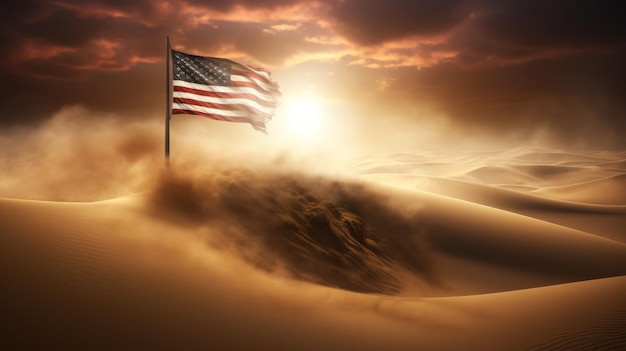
(518, 249)
(607, 191)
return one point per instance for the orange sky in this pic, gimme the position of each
(406, 73)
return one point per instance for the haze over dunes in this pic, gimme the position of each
(512, 249)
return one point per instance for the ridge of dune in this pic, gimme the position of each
(110, 275)
(608, 191)
(340, 233)
(370, 237)
(582, 190)
(406, 251)
(495, 239)
(505, 166)
(606, 220)
(314, 229)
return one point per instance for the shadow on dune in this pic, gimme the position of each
(338, 234)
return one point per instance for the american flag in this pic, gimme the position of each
(223, 90)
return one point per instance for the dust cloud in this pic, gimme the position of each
(326, 231)
(78, 155)
(281, 214)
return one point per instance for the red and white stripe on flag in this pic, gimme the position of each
(249, 95)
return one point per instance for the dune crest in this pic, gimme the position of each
(515, 249)
(329, 232)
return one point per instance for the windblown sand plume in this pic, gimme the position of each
(521, 249)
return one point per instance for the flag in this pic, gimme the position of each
(223, 90)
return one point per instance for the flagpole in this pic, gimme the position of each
(168, 108)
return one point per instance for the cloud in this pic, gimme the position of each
(486, 66)
(575, 24)
(419, 33)
(513, 32)
(576, 100)
(372, 22)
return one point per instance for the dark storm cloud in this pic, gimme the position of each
(68, 35)
(573, 101)
(552, 66)
(226, 5)
(513, 69)
(510, 32)
(60, 28)
(475, 31)
(371, 22)
(555, 24)
(514, 25)
(271, 48)
(61, 38)
(67, 52)
(488, 65)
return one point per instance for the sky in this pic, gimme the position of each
(381, 74)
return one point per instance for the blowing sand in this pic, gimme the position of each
(521, 249)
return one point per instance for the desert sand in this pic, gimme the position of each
(517, 249)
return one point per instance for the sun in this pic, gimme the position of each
(305, 116)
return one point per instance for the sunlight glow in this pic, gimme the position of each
(304, 116)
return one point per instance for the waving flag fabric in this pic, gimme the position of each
(223, 90)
